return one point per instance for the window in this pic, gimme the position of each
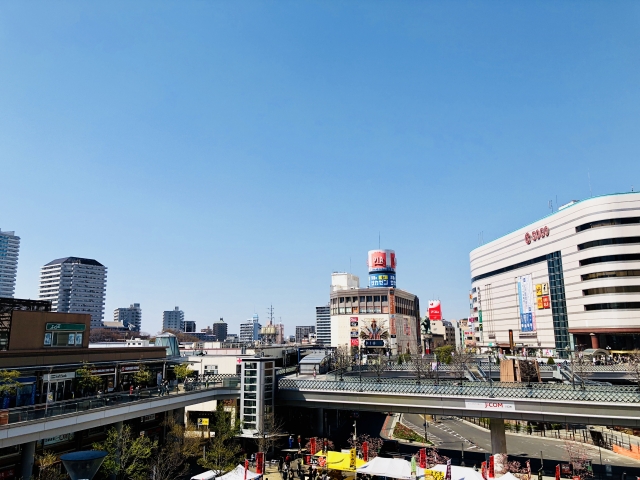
(361, 299)
(341, 299)
(604, 290)
(369, 298)
(610, 274)
(627, 257)
(355, 299)
(609, 241)
(608, 223)
(376, 298)
(385, 298)
(612, 306)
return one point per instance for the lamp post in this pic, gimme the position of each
(490, 373)
(573, 379)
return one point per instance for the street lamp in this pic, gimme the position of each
(490, 373)
(573, 379)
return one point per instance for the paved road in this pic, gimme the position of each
(450, 433)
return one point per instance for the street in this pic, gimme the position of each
(451, 433)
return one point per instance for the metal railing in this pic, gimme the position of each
(109, 400)
(542, 391)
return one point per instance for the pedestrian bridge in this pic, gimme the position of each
(555, 403)
(36, 422)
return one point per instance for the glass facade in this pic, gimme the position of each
(558, 303)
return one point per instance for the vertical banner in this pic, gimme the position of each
(392, 302)
(246, 467)
(352, 459)
(491, 468)
(528, 303)
(312, 445)
(413, 466)
(558, 472)
(260, 463)
(324, 446)
(423, 458)
(529, 469)
(483, 470)
(448, 474)
(365, 451)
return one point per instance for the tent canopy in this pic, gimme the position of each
(457, 473)
(238, 474)
(508, 476)
(340, 461)
(389, 467)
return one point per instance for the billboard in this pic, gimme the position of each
(382, 280)
(435, 310)
(528, 303)
(381, 261)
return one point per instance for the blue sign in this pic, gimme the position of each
(374, 343)
(382, 280)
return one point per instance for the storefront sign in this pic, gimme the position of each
(58, 439)
(536, 235)
(58, 376)
(149, 418)
(500, 406)
(76, 327)
(129, 368)
(7, 473)
(103, 371)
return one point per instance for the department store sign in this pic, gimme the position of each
(499, 406)
(76, 327)
(536, 235)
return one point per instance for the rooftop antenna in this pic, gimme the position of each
(632, 188)
(551, 205)
(270, 314)
(590, 191)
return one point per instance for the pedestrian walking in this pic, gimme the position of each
(314, 373)
(285, 474)
(280, 464)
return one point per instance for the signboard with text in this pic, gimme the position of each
(527, 303)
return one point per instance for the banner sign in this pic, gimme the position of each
(528, 302)
(423, 458)
(312, 446)
(492, 473)
(435, 310)
(246, 468)
(500, 406)
(260, 463)
(448, 475)
(483, 470)
(365, 451)
(352, 458)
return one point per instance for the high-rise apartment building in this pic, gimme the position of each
(220, 330)
(9, 246)
(303, 332)
(323, 325)
(75, 285)
(250, 331)
(130, 317)
(173, 320)
(189, 326)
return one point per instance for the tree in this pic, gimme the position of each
(182, 371)
(375, 444)
(107, 335)
(580, 458)
(460, 361)
(222, 451)
(378, 363)
(444, 353)
(320, 444)
(183, 337)
(9, 382)
(420, 366)
(434, 458)
(128, 456)
(170, 462)
(86, 379)
(142, 376)
(528, 371)
(269, 433)
(581, 367)
(48, 467)
(343, 360)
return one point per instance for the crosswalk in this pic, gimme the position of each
(435, 439)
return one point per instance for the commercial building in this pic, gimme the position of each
(444, 333)
(303, 333)
(9, 249)
(378, 318)
(219, 330)
(75, 285)
(323, 324)
(130, 317)
(173, 320)
(250, 331)
(570, 280)
(189, 326)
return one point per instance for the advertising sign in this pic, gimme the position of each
(435, 310)
(365, 451)
(312, 446)
(48, 337)
(392, 326)
(260, 463)
(538, 289)
(540, 303)
(355, 342)
(499, 406)
(392, 302)
(527, 301)
(382, 261)
(352, 458)
(374, 343)
(546, 301)
(545, 289)
(203, 422)
(78, 327)
(382, 280)
(355, 334)
(423, 458)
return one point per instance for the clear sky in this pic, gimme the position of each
(225, 156)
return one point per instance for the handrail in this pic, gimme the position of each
(109, 400)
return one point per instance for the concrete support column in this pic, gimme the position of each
(594, 341)
(118, 427)
(179, 416)
(320, 421)
(498, 437)
(27, 459)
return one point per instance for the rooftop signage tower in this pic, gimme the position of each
(382, 268)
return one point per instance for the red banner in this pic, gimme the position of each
(492, 473)
(312, 445)
(558, 472)
(423, 458)
(483, 470)
(324, 445)
(365, 451)
(447, 476)
(246, 468)
(260, 463)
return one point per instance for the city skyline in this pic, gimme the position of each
(232, 156)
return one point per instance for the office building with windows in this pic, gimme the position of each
(75, 285)
(323, 325)
(173, 320)
(9, 248)
(304, 332)
(568, 281)
(130, 318)
(219, 330)
(250, 331)
(189, 326)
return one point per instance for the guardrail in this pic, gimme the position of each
(548, 391)
(110, 400)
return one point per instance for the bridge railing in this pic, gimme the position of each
(501, 390)
(109, 400)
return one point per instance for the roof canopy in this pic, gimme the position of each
(390, 467)
(238, 474)
(340, 461)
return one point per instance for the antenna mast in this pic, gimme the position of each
(270, 314)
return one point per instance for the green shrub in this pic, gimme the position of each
(551, 361)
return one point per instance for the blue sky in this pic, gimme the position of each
(225, 156)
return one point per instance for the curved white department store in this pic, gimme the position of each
(569, 279)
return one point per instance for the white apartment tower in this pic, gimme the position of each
(9, 246)
(323, 325)
(75, 285)
(173, 320)
(130, 317)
